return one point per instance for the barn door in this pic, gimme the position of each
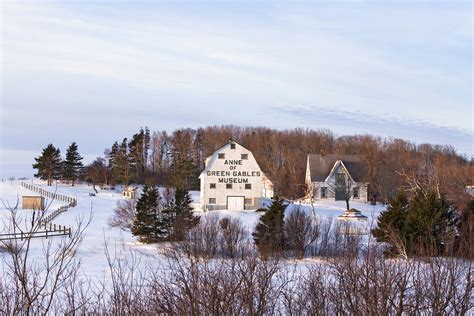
(235, 203)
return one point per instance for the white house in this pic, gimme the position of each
(331, 176)
(233, 180)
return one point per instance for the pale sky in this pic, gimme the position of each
(95, 72)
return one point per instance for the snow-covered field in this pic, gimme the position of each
(101, 208)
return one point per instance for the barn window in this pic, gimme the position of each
(212, 200)
(324, 193)
(248, 202)
(232, 146)
(221, 156)
(212, 185)
(248, 186)
(228, 186)
(355, 193)
(245, 156)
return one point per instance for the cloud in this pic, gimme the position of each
(116, 68)
(346, 122)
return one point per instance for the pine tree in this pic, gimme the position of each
(269, 235)
(123, 163)
(184, 172)
(112, 157)
(178, 217)
(48, 164)
(119, 162)
(138, 147)
(422, 223)
(146, 224)
(72, 166)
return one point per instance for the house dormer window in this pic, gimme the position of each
(221, 156)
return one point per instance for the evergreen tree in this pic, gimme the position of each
(112, 161)
(119, 162)
(269, 235)
(184, 172)
(146, 224)
(123, 163)
(72, 166)
(425, 223)
(48, 164)
(178, 217)
(138, 147)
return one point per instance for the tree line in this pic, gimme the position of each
(176, 159)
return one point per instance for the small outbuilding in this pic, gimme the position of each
(132, 192)
(32, 202)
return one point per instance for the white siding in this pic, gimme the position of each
(234, 170)
(329, 184)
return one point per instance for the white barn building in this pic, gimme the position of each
(233, 180)
(325, 172)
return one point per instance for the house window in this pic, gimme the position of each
(221, 156)
(212, 200)
(248, 186)
(245, 156)
(232, 146)
(324, 193)
(228, 186)
(355, 193)
(212, 185)
(248, 202)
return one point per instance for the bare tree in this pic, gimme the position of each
(124, 214)
(300, 231)
(344, 186)
(233, 237)
(34, 283)
(203, 239)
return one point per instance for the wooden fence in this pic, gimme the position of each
(60, 197)
(51, 231)
(54, 214)
(47, 229)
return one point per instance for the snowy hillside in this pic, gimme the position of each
(101, 208)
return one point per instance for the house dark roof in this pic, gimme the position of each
(321, 165)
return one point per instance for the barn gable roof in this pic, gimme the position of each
(211, 158)
(320, 166)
